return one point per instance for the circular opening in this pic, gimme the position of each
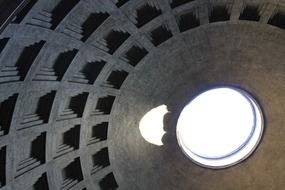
(220, 127)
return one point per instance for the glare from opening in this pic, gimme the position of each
(220, 127)
(151, 125)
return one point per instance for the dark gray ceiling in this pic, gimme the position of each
(77, 76)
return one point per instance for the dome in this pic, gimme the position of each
(91, 91)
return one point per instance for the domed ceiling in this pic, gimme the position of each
(77, 77)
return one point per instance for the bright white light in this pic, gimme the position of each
(220, 127)
(151, 125)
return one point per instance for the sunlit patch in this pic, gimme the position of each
(151, 125)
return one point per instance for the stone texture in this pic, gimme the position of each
(246, 54)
